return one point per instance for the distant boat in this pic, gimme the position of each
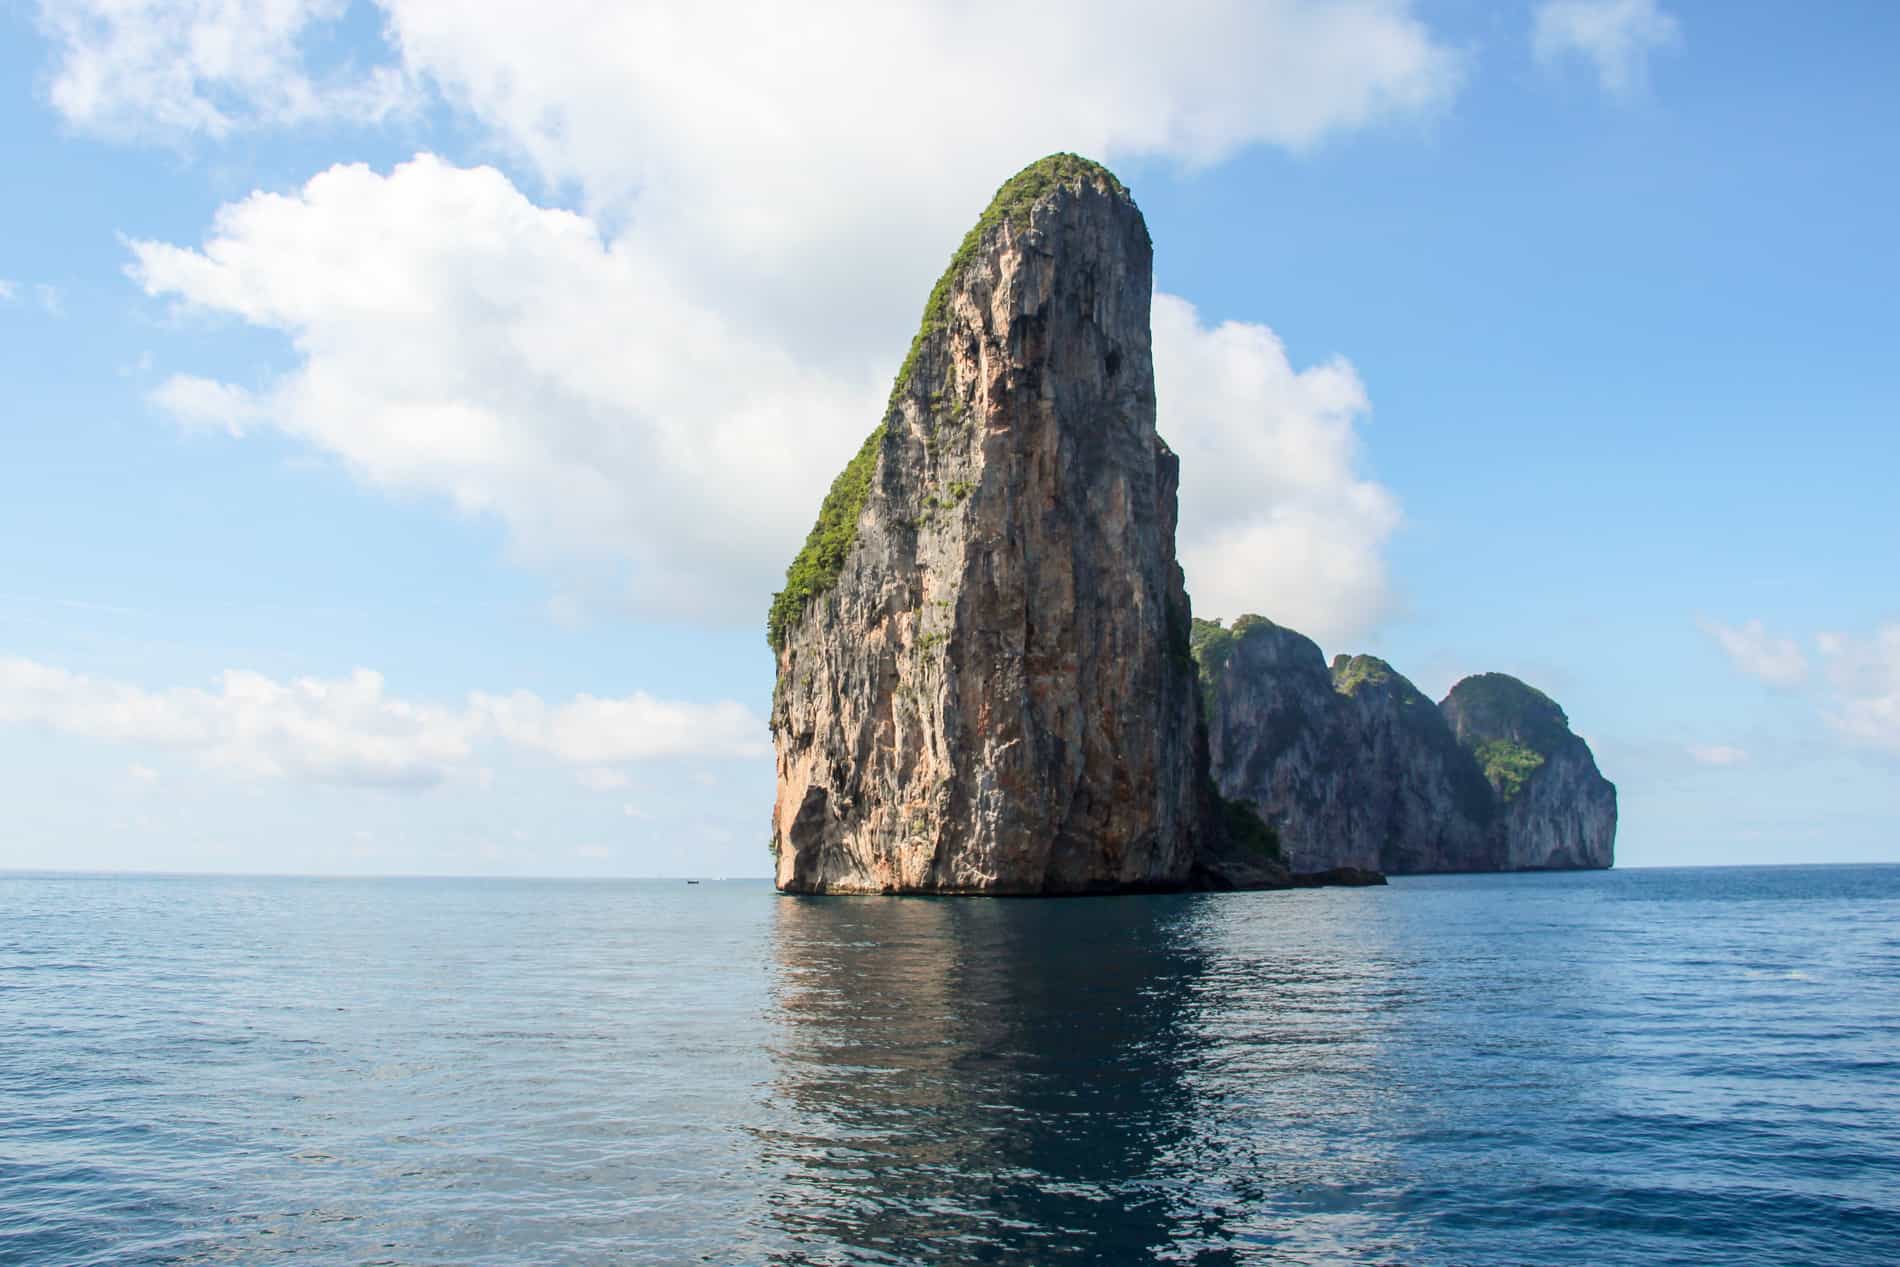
(692, 882)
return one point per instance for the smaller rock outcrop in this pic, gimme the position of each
(1555, 811)
(1354, 768)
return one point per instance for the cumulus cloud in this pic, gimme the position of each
(170, 68)
(1717, 754)
(815, 163)
(458, 339)
(1864, 674)
(1276, 517)
(1778, 661)
(351, 731)
(653, 393)
(1615, 36)
(802, 171)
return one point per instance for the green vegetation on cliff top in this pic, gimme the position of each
(819, 563)
(1212, 646)
(1507, 764)
(1010, 205)
(1510, 727)
(1352, 672)
(817, 566)
(1498, 706)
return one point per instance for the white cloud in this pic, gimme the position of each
(157, 68)
(815, 164)
(1615, 36)
(656, 411)
(1865, 676)
(1717, 754)
(8, 290)
(141, 773)
(1276, 517)
(204, 402)
(1774, 660)
(637, 728)
(351, 731)
(624, 98)
(458, 339)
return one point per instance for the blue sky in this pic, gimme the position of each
(411, 410)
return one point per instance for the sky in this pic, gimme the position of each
(411, 407)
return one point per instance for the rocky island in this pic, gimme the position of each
(1353, 767)
(987, 671)
(984, 683)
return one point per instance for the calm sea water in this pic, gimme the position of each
(1694, 1066)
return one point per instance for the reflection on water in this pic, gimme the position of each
(1063, 1080)
(1694, 1068)
(1683, 1068)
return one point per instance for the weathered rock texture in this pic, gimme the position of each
(984, 683)
(1555, 810)
(1354, 768)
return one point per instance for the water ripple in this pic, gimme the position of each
(1694, 1067)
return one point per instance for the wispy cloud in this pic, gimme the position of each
(1864, 675)
(1766, 657)
(1717, 755)
(1616, 37)
(1859, 694)
(132, 69)
(352, 731)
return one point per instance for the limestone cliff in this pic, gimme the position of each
(1354, 767)
(1555, 810)
(984, 683)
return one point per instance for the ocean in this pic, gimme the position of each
(1648, 1067)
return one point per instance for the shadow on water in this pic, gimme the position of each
(988, 1082)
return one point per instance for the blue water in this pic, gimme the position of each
(1648, 1067)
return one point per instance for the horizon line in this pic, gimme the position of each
(155, 874)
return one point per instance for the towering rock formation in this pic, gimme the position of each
(1353, 767)
(984, 683)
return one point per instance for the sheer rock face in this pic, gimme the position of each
(1354, 767)
(995, 694)
(1562, 814)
